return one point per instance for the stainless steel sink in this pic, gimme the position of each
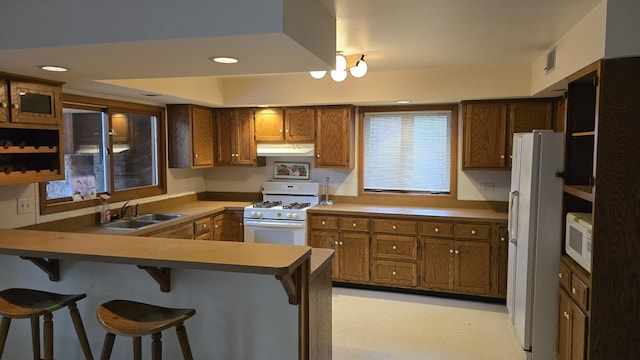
(130, 224)
(157, 217)
(141, 221)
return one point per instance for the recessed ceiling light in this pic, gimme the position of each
(403, 102)
(53, 68)
(223, 59)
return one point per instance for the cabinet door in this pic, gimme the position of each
(246, 147)
(4, 101)
(233, 227)
(564, 326)
(300, 124)
(354, 256)
(269, 125)
(503, 251)
(527, 116)
(393, 273)
(485, 127)
(202, 136)
(334, 134)
(472, 266)
(436, 264)
(225, 137)
(218, 224)
(35, 103)
(578, 333)
(328, 240)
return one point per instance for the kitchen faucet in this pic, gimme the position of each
(123, 210)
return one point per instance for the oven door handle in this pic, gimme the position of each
(274, 223)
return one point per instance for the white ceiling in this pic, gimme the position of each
(394, 35)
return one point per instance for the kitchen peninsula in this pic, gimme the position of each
(252, 300)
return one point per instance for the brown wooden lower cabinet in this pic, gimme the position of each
(573, 316)
(444, 255)
(351, 259)
(228, 226)
(184, 231)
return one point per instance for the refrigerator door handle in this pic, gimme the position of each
(513, 216)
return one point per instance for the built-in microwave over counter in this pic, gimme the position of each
(578, 238)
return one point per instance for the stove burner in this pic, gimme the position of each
(267, 204)
(296, 205)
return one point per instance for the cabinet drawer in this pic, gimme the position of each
(394, 273)
(407, 227)
(473, 231)
(579, 292)
(202, 226)
(436, 229)
(564, 276)
(354, 224)
(394, 247)
(324, 222)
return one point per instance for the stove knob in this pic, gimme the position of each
(260, 214)
(295, 216)
(254, 214)
(289, 216)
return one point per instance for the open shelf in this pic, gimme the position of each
(584, 192)
(29, 150)
(583, 133)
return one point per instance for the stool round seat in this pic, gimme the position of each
(17, 303)
(135, 319)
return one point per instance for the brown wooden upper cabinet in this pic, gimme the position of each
(285, 125)
(335, 137)
(489, 126)
(30, 103)
(190, 130)
(235, 141)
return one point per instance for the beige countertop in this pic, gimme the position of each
(367, 210)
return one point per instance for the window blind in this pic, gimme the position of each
(407, 151)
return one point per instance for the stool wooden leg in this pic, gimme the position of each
(109, 338)
(137, 348)
(4, 330)
(82, 335)
(156, 346)
(184, 342)
(48, 336)
(35, 337)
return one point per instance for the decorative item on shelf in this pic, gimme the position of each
(298, 171)
(354, 64)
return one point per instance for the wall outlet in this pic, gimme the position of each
(25, 206)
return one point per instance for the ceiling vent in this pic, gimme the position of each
(551, 61)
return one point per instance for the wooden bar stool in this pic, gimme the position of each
(27, 303)
(134, 319)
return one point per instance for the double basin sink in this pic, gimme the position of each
(140, 221)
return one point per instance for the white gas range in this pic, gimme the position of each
(281, 217)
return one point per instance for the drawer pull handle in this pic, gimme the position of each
(335, 242)
(340, 243)
(457, 252)
(566, 315)
(204, 226)
(473, 232)
(436, 230)
(393, 272)
(573, 290)
(450, 251)
(394, 247)
(560, 275)
(502, 238)
(354, 225)
(324, 222)
(394, 227)
(3, 105)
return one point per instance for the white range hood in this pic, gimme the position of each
(301, 149)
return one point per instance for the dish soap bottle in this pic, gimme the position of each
(105, 212)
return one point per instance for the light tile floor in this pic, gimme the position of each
(376, 325)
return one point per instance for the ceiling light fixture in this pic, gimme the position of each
(223, 59)
(353, 64)
(54, 68)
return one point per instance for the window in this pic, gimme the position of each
(408, 150)
(109, 146)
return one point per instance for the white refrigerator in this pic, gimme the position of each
(535, 226)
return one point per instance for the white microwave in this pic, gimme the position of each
(577, 242)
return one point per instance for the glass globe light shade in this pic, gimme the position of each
(338, 75)
(341, 63)
(359, 70)
(318, 74)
